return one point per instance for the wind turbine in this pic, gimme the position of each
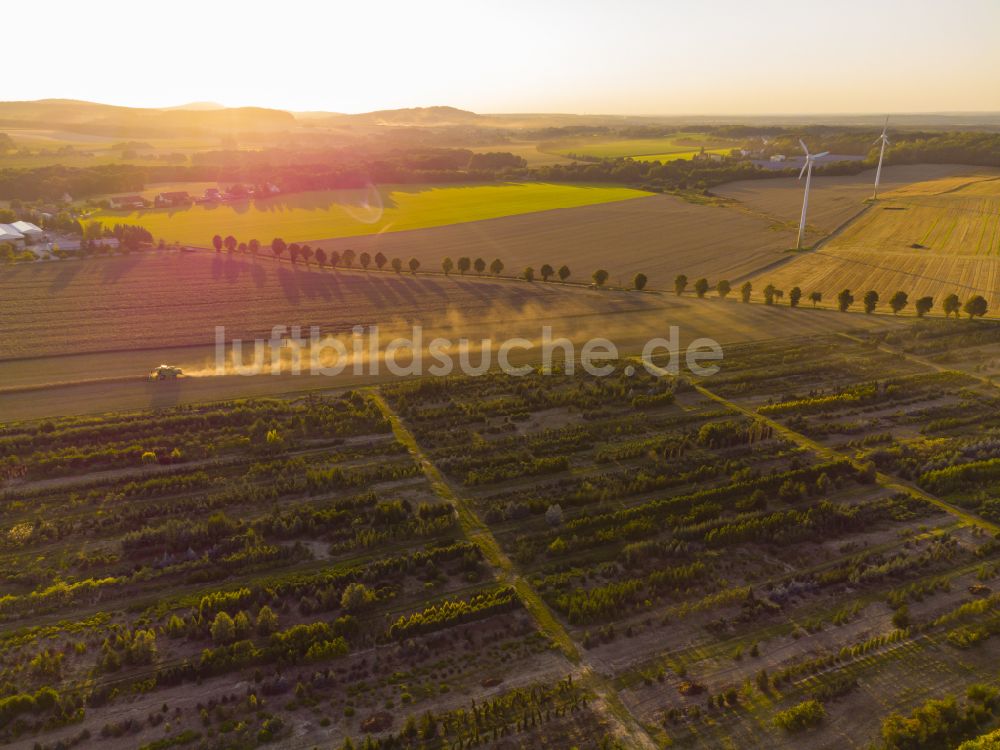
(807, 170)
(884, 140)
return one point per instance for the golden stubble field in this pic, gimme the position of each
(833, 200)
(931, 238)
(660, 236)
(82, 334)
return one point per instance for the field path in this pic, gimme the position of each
(817, 246)
(477, 532)
(883, 480)
(917, 359)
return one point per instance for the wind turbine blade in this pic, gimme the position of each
(803, 169)
(878, 140)
(803, 144)
(821, 153)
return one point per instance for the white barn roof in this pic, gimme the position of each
(8, 233)
(26, 227)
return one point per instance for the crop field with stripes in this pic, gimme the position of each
(927, 239)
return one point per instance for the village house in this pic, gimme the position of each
(174, 198)
(131, 202)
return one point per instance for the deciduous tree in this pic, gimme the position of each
(898, 301)
(278, 247)
(975, 307)
(223, 629)
(951, 305)
(870, 301)
(844, 300)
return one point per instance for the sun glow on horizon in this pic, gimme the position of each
(631, 57)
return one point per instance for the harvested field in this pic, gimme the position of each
(832, 200)
(109, 314)
(119, 303)
(660, 235)
(931, 238)
(941, 217)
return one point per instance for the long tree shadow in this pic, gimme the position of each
(400, 286)
(65, 276)
(113, 272)
(378, 293)
(258, 275)
(313, 284)
(289, 286)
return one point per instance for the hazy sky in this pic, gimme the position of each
(614, 56)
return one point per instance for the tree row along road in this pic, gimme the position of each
(477, 532)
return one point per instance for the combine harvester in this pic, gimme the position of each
(165, 372)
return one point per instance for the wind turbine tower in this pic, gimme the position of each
(885, 142)
(807, 170)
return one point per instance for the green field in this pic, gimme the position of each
(670, 156)
(677, 146)
(350, 213)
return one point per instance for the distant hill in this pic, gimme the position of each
(198, 106)
(408, 116)
(209, 118)
(106, 119)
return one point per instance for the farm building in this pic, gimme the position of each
(9, 234)
(175, 198)
(127, 201)
(29, 230)
(778, 157)
(213, 194)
